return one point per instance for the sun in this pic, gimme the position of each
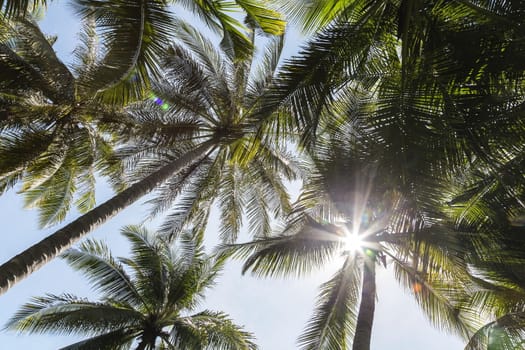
(353, 242)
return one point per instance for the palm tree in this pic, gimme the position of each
(55, 134)
(208, 125)
(244, 174)
(344, 313)
(148, 299)
(358, 194)
(420, 120)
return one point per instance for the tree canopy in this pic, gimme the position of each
(403, 119)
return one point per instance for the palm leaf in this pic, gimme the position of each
(135, 35)
(116, 340)
(105, 274)
(151, 276)
(270, 21)
(505, 333)
(210, 330)
(18, 8)
(335, 315)
(293, 254)
(67, 314)
(440, 298)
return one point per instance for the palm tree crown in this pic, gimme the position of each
(209, 94)
(148, 299)
(352, 193)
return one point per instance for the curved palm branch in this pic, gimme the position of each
(134, 35)
(506, 332)
(335, 316)
(209, 330)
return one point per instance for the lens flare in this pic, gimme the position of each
(353, 242)
(159, 102)
(417, 287)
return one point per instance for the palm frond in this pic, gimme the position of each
(86, 53)
(317, 14)
(333, 323)
(18, 149)
(29, 76)
(67, 314)
(310, 247)
(18, 8)
(147, 262)
(231, 204)
(135, 34)
(269, 20)
(308, 83)
(38, 51)
(265, 71)
(104, 272)
(69, 163)
(211, 330)
(505, 333)
(192, 206)
(116, 340)
(440, 298)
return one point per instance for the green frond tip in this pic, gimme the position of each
(18, 8)
(269, 20)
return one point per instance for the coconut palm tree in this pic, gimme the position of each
(206, 133)
(55, 134)
(419, 121)
(360, 205)
(148, 299)
(243, 174)
(344, 313)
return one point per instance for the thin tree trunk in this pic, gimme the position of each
(25, 263)
(365, 318)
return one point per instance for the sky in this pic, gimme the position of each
(276, 310)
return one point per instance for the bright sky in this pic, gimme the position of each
(275, 310)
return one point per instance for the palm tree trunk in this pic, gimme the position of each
(365, 318)
(146, 340)
(142, 345)
(40, 253)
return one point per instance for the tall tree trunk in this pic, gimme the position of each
(365, 318)
(42, 252)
